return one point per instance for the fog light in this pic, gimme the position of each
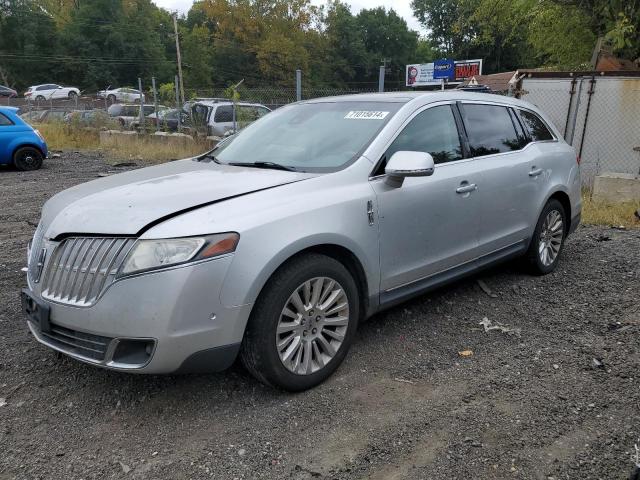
(133, 352)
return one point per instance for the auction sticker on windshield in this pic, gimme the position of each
(366, 115)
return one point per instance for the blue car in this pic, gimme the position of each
(20, 144)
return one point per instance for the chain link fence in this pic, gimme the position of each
(598, 115)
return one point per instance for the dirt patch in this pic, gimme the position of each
(560, 401)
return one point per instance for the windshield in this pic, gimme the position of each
(312, 137)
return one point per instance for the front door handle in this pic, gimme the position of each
(471, 187)
(535, 172)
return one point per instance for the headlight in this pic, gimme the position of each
(153, 254)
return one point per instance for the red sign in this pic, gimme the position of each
(467, 68)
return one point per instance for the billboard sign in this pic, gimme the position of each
(444, 68)
(419, 75)
(428, 75)
(465, 69)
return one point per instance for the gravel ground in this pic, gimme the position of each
(561, 400)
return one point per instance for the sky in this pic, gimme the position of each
(402, 8)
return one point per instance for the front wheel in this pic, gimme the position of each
(548, 239)
(72, 95)
(27, 158)
(303, 323)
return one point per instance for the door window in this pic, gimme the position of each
(224, 114)
(490, 129)
(432, 131)
(535, 126)
(4, 120)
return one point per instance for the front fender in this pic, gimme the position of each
(247, 277)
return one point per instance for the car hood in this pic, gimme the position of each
(131, 202)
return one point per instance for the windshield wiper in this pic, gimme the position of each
(273, 165)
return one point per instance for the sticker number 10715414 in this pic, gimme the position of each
(366, 115)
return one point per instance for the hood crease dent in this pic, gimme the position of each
(130, 203)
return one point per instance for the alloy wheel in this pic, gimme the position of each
(312, 325)
(551, 236)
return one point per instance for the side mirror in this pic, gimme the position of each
(408, 164)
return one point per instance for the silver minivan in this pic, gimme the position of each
(273, 246)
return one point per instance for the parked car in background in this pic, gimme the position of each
(88, 118)
(122, 95)
(217, 116)
(126, 114)
(167, 119)
(51, 91)
(53, 115)
(7, 92)
(20, 144)
(32, 116)
(277, 243)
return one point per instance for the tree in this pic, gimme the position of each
(28, 41)
(617, 21)
(346, 52)
(387, 38)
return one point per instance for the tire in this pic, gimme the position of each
(72, 95)
(111, 99)
(27, 158)
(40, 98)
(260, 353)
(548, 239)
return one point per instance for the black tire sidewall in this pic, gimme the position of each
(25, 168)
(533, 255)
(111, 99)
(261, 331)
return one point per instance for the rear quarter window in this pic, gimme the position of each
(4, 120)
(535, 126)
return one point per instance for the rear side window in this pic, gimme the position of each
(433, 131)
(535, 126)
(490, 129)
(223, 114)
(4, 120)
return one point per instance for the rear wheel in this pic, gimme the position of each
(302, 324)
(111, 99)
(548, 239)
(27, 158)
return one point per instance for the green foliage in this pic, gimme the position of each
(167, 93)
(92, 44)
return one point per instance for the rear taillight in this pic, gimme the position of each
(578, 159)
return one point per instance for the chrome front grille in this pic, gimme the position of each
(35, 257)
(81, 268)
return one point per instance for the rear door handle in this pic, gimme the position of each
(467, 188)
(535, 172)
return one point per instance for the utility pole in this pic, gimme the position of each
(175, 28)
(155, 103)
(383, 69)
(298, 85)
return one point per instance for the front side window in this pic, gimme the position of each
(313, 137)
(535, 126)
(4, 120)
(432, 131)
(490, 129)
